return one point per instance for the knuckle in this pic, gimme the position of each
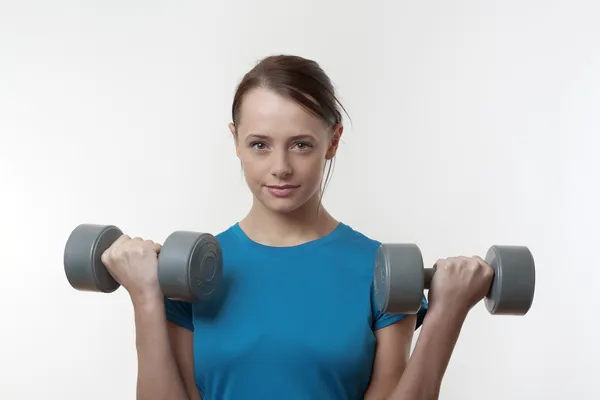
(137, 247)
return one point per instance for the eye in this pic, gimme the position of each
(258, 145)
(303, 145)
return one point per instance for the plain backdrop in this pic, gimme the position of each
(473, 123)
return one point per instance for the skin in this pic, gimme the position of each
(280, 143)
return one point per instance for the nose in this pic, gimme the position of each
(281, 167)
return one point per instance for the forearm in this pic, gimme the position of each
(158, 374)
(427, 365)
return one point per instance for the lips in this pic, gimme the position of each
(282, 186)
(282, 190)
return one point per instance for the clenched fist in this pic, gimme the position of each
(133, 263)
(460, 283)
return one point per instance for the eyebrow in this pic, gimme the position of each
(265, 137)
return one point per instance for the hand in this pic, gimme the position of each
(459, 283)
(133, 263)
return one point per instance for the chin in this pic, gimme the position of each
(282, 206)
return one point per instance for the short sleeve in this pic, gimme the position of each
(381, 320)
(179, 313)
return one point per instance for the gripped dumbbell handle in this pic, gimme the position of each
(427, 277)
(428, 274)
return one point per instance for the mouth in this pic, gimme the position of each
(282, 190)
(279, 187)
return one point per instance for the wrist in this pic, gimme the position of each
(448, 312)
(147, 298)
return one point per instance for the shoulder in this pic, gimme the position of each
(232, 238)
(358, 242)
(227, 235)
(359, 237)
(354, 249)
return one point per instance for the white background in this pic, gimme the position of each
(473, 123)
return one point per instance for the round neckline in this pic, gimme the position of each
(331, 236)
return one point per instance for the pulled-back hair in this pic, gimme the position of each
(294, 77)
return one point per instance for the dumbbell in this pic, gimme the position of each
(189, 263)
(400, 279)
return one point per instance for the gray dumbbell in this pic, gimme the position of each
(400, 279)
(189, 263)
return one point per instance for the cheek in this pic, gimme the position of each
(313, 169)
(251, 168)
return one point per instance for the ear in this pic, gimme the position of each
(235, 137)
(335, 140)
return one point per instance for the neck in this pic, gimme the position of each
(309, 222)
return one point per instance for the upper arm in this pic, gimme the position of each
(182, 345)
(393, 335)
(181, 337)
(392, 351)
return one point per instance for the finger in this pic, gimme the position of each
(117, 246)
(453, 262)
(481, 260)
(464, 261)
(104, 257)
(441, 263)
(120, 240)
(456, 259)
(155, 246)
(485, 264)
(138, 239)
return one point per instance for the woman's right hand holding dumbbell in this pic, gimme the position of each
(133, 263)
(459, 283)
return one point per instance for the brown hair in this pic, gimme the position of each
(297, 78)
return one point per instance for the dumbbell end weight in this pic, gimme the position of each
(190, 266)
(398, 278)
(513, 287)
(82, 258)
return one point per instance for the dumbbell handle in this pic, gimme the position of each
(427, 277)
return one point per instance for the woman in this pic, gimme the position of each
(294, 317)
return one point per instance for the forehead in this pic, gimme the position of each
(268, 113)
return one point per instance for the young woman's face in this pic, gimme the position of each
(283, 149)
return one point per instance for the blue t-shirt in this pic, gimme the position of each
(287, 322)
